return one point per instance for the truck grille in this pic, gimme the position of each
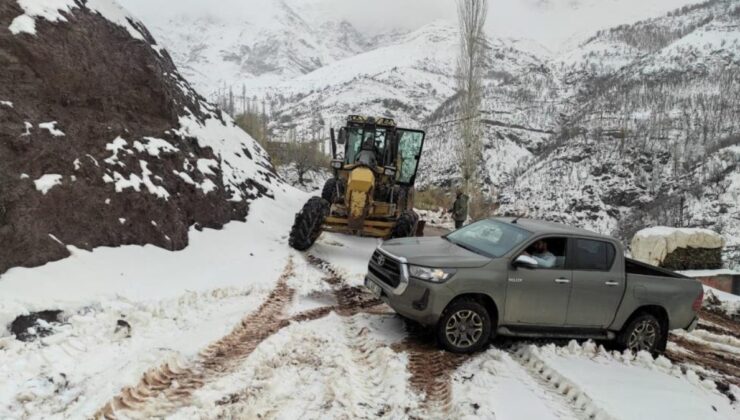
(385, 268)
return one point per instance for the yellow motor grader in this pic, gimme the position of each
(372, 190)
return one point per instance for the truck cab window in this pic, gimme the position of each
(593, 255)
(548, 252)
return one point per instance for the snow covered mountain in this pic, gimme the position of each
(651, 133)
(104, 143)
(273, 42)
(633, 85)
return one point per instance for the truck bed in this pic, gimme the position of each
(637, 267)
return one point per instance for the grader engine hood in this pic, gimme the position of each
(359, 189)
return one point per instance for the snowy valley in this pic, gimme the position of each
(639, 117)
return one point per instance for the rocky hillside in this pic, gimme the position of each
(650, 133)
(636, 127)
(103, 143)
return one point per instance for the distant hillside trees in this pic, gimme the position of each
(249, 113)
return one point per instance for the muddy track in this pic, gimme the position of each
(719, 323)
(720, 366)
(430, 368)
(164, 389)
(368, 356)
(431, 371)
(350, 300)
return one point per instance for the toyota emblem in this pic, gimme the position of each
(381, 260)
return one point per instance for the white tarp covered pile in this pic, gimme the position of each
(652, 245)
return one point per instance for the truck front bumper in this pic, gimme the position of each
(420, 301)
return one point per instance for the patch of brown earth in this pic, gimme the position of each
(719, 322)
(351, 300)
(431, 368)
(98, 83)
(721, 367)
(163, 389)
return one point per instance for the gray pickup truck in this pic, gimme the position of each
(530, 278)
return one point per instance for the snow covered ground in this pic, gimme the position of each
(239, 325)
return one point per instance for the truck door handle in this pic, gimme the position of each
(562, 280)
(612, 283)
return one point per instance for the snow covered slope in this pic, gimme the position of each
(268, 42)
(244, 327)
(406, 79)
(103, 142)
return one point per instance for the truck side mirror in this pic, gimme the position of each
(525, 261)
(342, 139)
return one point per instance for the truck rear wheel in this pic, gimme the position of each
(465, 327)
(643, 333)
(307, 226)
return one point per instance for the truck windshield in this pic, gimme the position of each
(489, 237)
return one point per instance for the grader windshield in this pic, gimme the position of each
(357, 136)
(399, 148)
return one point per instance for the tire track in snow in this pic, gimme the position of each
(430, 368)
(351, 300)
(163, 389)
(369, 358)
(721, 367)
(555, 384)
(367, 353)
(431, 372)
(719, 323)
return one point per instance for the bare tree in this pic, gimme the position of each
(306, 157)
(472, 18)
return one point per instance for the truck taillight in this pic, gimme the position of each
(696, 306)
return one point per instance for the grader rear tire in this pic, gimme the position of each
(307, 226)
(406, 225)
(329, 193)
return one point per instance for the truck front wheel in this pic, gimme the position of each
(643, 333)
(465, 327)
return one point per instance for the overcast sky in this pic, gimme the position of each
(552, 23)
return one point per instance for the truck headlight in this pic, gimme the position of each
(434, 275)
(336, 164)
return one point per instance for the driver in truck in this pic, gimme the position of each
(540, 253)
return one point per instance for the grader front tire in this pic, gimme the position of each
(307, 226)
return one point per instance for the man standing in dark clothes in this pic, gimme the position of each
(460, 210)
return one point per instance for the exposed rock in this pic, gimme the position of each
(34, 325)
(106, 144)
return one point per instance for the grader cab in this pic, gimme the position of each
(372, 190)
